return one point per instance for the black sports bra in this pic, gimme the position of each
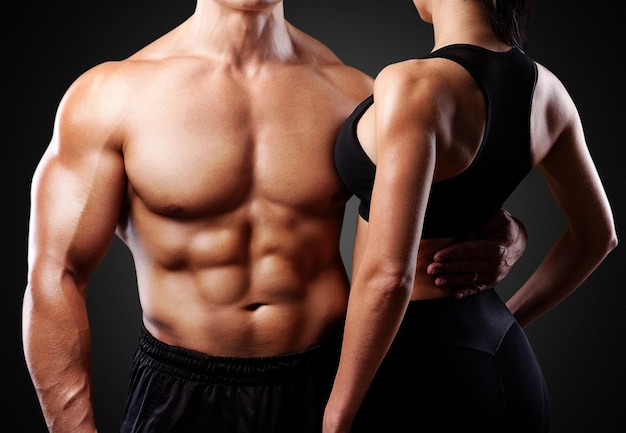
(457, 204)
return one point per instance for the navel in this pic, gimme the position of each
(255, 306)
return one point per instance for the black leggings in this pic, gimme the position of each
(175, 390)
(457, 366)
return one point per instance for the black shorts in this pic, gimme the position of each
(173, 389)
(456, 366)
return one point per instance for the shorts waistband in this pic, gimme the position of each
(186, 363)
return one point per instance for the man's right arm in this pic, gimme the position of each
(76, 195)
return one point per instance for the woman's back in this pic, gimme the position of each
(483, 102)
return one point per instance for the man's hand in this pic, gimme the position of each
(483, 259)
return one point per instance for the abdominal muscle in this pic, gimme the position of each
(237, 288)
(229, 312)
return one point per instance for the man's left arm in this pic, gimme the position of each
(483, 259)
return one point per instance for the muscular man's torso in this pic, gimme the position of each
(233, 209)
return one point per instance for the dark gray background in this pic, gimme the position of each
(46, 46)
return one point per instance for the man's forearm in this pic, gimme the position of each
(57, 348)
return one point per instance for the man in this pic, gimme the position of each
(210, 154)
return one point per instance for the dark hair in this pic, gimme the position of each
(511, 20)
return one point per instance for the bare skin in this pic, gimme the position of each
(210, 154)
(391, 260)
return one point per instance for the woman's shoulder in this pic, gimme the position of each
(413, 79)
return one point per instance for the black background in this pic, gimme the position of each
(46, 46)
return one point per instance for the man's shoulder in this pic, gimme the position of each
(346, 78)
(313, 51)
(109, 78)
(310, 48)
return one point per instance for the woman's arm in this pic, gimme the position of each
(576, 186)
(383, 282)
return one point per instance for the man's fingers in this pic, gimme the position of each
(466, 267)
(469, 249)
(465, 292)
(464, 281)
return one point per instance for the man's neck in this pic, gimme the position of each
(241, 37)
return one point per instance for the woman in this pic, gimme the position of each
(448, 138)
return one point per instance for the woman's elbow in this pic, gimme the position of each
(612, 241)
(392, 285)
(601, 241)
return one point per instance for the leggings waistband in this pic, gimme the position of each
(479, 321)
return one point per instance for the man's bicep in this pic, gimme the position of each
(74, 209)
